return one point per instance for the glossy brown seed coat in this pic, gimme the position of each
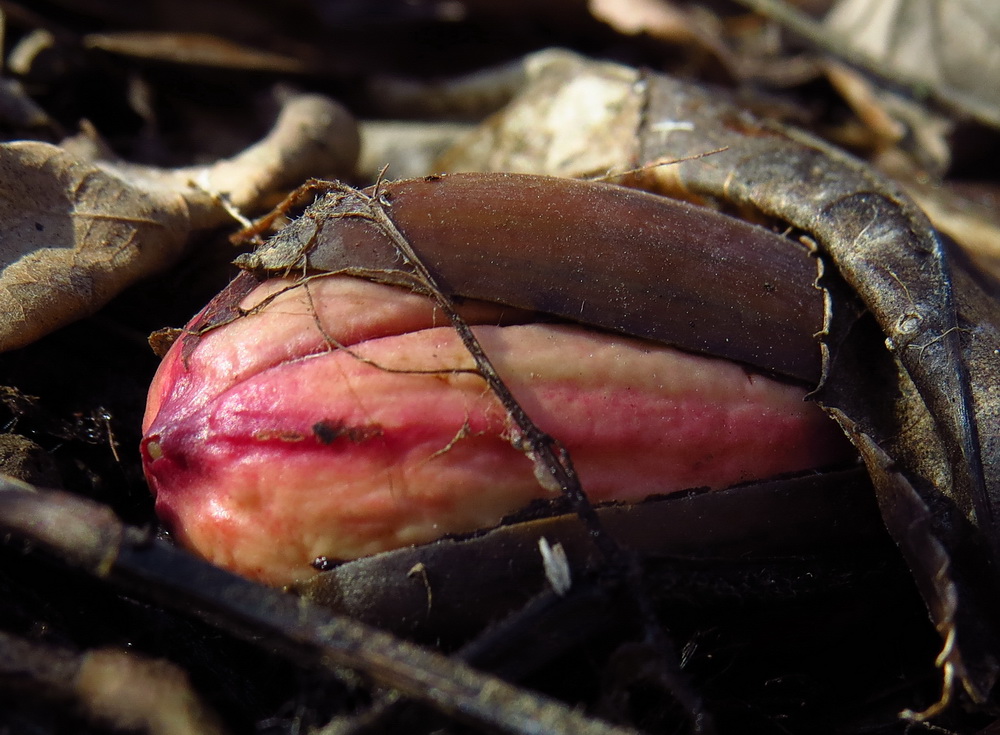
(599, 254)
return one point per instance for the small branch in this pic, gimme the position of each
(89, 535)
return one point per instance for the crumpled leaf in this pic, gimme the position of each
(925, 424)
(75, 232)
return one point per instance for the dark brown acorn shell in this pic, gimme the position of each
(598, 254)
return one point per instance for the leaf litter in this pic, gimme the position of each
(968, 329)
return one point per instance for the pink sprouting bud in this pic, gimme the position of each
(339, 417)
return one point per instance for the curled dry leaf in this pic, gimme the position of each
(313, 136)
(923, 421)
(74, 232)
(890, 256)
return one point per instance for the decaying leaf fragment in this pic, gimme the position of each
(926, 430)
(75, 232)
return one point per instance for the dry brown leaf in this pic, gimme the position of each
(895, 121)
(665, 21)
(950, 46)
(968, 214)
(73, 233)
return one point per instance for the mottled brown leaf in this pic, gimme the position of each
(72, 235)
(74, 232)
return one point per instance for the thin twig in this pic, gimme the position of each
(552, 460)
(89, 535)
